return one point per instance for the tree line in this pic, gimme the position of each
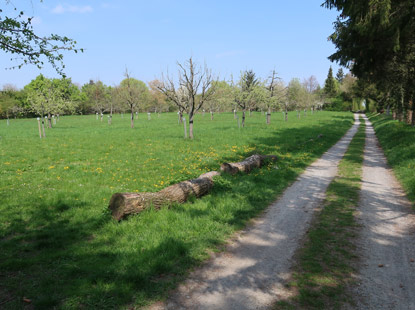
(193, 90)
(376, 40)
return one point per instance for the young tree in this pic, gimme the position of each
(276, 92)
(194, 88)
(132, 93)
(246, 92)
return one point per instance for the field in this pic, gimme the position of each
(59, 246)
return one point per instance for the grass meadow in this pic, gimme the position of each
(60, 247)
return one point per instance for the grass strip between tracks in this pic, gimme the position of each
(324, 264)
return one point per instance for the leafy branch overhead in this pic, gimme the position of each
(17, 37)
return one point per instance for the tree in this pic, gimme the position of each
(43, 97)
(194, 88)
(340, 75)
(98, 96)
(18, 38)
(295, 94)
(375, 40)
(222, 99)
(246, 92)
(330, 84)
(132, 93)
(311, 86)
(11, 101)
(157, 100)
(276, 91)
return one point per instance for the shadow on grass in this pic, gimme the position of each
(63, 260)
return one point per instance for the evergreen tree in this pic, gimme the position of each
(330, 84)
(340, 76)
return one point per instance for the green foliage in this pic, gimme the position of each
(296, 94)
(18, 38)
(51, 96)
(375, 39)
(330, 84)
(340, 75)
(61, 248)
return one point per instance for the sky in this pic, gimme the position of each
(150, 37)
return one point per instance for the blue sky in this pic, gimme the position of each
(149, 37)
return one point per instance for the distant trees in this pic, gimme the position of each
(132, 93)
(97, 96)
(51, 96)
(193, 88)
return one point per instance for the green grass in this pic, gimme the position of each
(398, 142)
(59, 246)
(325, 262)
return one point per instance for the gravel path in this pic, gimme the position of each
(386, 245)
(251, 273)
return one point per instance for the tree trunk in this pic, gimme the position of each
(191, 127)
(43, 127)
(269, 116)
(413, 113)
(124, 204)
(211, 115)
(49, 120)
(252, 162)
(243, 118)
(132, 118)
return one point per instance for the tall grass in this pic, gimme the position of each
(59, 246)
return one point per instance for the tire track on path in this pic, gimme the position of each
(252, 272)
(386, 244)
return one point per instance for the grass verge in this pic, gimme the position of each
(397, 140)
(325, 262)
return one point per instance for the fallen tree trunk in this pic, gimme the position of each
(124, 204)
(252, 162)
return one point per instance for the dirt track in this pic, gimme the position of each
(386, 245)
(251, 273)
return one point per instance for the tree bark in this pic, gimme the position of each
(252, 162)
(124, 204)
(243, 118)
(49, 120)
(132, 118)
(269, 116)
(191, 127)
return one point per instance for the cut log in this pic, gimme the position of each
(124, 204)
(252, 162)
